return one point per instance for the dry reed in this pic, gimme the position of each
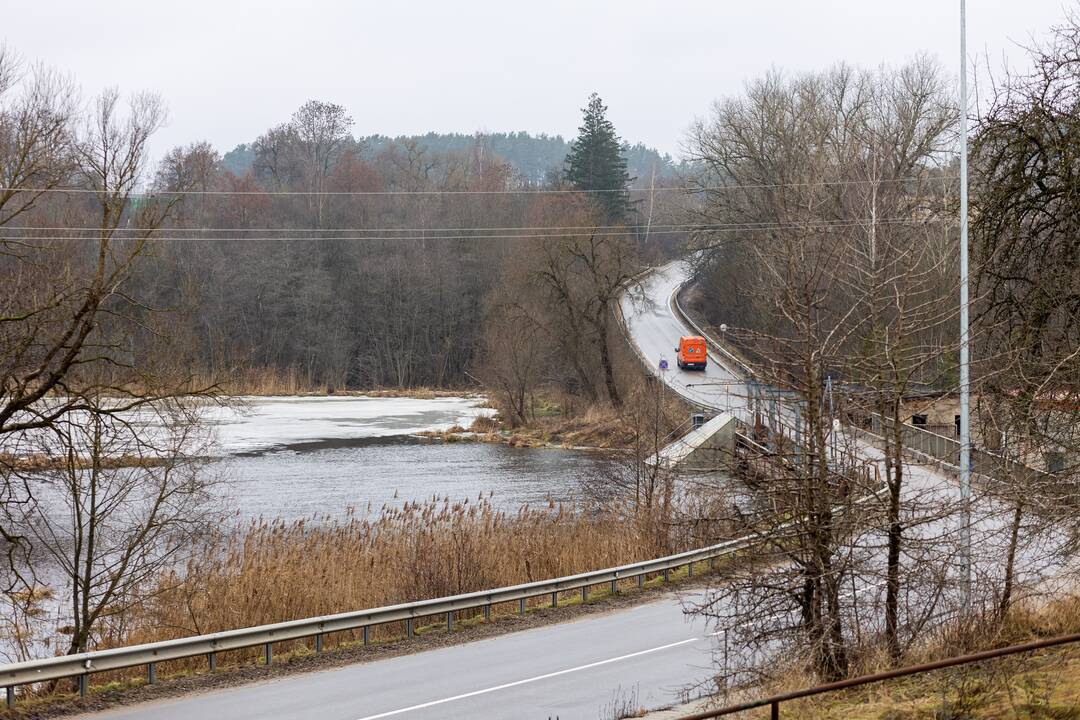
(273, 571)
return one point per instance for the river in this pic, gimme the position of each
(304, 457)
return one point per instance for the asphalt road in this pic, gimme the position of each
(655, 329)
(570, 670)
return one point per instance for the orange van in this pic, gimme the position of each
(692, 353)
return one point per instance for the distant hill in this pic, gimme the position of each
(534, 156)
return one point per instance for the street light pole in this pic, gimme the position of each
(965, 376)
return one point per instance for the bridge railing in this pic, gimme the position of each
(935, 445)
(947, 450)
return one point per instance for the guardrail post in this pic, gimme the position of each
(555, 599)
(690, 569)
(318, 643)
(521, 606)
(641, 581)
(774, 710)
(211, 659)
(365, 634)
(449, 620)
(584, 594)
(614, 587)
(408, 627)
(268, 653)
(151, 673)
(665, 574)
(712, 563)
(10, 695)
(487, 612)
(83, 682)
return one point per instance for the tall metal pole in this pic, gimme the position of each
(965, 377)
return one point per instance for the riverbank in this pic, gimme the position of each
(40, 462)
(292, 382)
(598, 430)
(599, 426)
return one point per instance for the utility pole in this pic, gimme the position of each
(965, 372)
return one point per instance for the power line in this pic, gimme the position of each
(618, 229)
(468, 235)
(522, 191)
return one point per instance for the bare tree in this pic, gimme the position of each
(1024, 226)
(73, 332)
(121, 507)
(512, 358)
(839, 253)
(37, 109)
(321, 129)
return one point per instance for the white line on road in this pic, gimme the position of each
(496, 688)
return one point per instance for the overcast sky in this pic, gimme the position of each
(230, 69)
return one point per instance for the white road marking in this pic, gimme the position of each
(496, 688)
(557, 673)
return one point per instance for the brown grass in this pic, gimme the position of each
(38, 462)
(565, 422)
(272, 381)
(1043, 685)
(275, 571)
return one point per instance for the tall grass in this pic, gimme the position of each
(290, 380)
(272, 571)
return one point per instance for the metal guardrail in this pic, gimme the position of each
(774, 701)
(83, 664)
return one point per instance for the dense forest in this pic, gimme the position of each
(353, 263)
(535, 159)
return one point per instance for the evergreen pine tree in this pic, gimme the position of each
(596, 162)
